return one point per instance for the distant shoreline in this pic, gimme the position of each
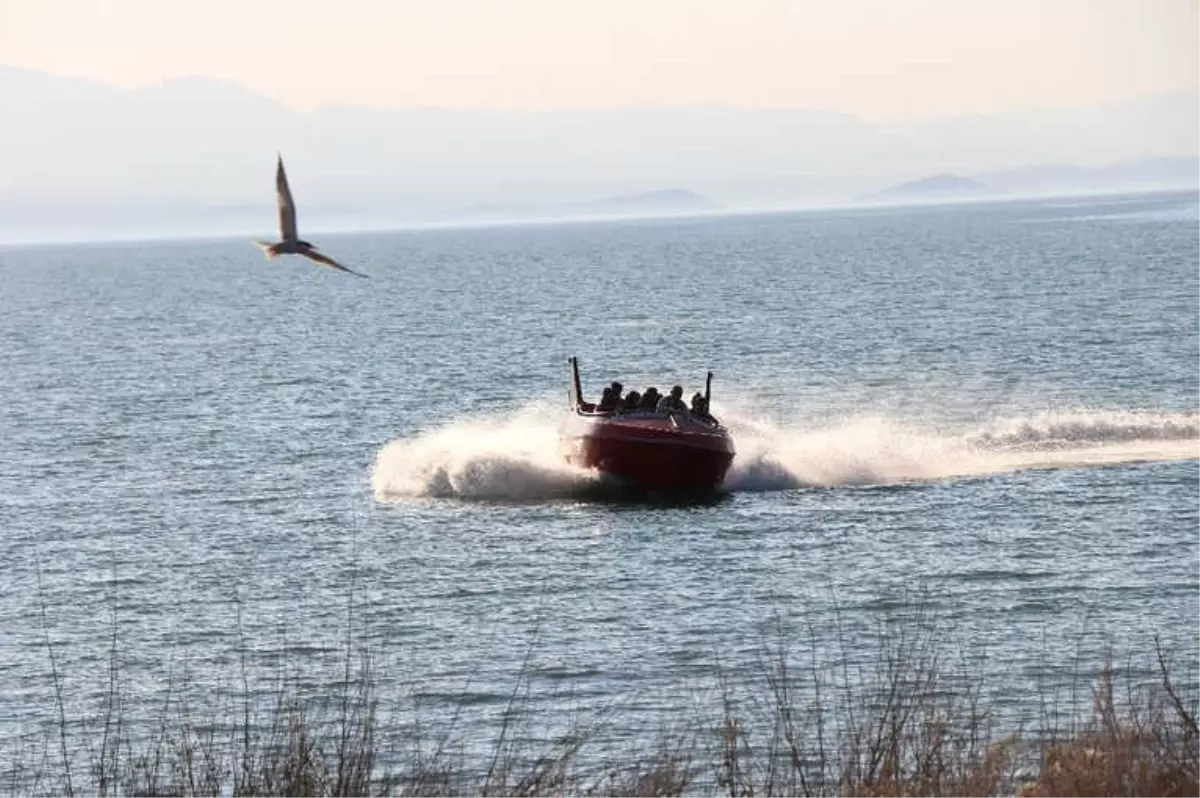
(318, 229)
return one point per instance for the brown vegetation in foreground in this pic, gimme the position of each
(899, 722)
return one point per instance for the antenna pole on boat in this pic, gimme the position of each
(576, 390)
(708, 389)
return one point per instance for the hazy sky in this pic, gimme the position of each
(878, 59)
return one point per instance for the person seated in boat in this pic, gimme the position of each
(611, 399)
(699, 405)
(633, 401)
(606, 403)
(649, 399)
(672, 401)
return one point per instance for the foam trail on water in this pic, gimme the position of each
(875, 450)
(516, 455)
(861, 451)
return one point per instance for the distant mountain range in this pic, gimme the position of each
(196, 156)
(934, 187)
(1129, 175)
(664, 202)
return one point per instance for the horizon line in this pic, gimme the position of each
(435, 225)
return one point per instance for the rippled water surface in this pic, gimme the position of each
(993, 406)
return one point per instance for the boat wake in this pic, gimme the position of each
(516, 456)
(882, 451)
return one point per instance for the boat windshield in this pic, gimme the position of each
(590, 409)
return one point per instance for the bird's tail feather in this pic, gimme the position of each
(268, 249)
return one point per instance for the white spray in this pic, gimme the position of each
(516, 455)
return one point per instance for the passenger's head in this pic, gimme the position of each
(651, 391)
(697, 399)
(677, 392)
(617, 388)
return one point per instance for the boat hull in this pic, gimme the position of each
(652, 451)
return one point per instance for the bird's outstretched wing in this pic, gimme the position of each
(324, 261)
(287, 208)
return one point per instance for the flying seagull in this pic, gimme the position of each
(291, 243)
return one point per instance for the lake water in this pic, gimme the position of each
(987, 408)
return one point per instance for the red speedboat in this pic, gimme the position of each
(659, 451)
